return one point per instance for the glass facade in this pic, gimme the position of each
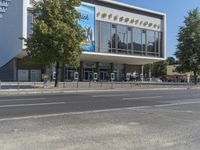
(105, 36)
(113, 37)
(121, 39)
(30, 22)
(137, 40)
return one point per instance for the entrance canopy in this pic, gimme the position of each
(118, 59)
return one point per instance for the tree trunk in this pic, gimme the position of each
(195, 77)
(57, 74)
(63, 72)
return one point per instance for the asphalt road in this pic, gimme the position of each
(124, 120)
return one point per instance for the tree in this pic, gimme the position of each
(171, 60)
(188, 48)
(156, 69)
(56, 33)
(159, 68)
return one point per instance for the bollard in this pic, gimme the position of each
(18, 85)
(77, 84)
(89, 84)
(111, 85)
(34, 85)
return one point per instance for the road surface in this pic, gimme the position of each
(124, 120)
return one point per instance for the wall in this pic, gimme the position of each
(8, 71)
(11, 29)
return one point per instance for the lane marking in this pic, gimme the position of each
(63, 114)
(7, 100)
(135, 98)
(92, 111)
(176, 104)
(36, 104)
(110, 95)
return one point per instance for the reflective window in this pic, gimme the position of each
(114, 38)
(114, 35)
(30, 22)
(137, 39)
(121, 37)
(144, 40)
(105, 37)
(151, 42)
(129, 38)
(161, 45)
(157, 43)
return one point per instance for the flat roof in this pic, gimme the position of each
(132, 7)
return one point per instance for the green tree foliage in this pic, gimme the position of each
(188, 48)
(159, 68)
(56, 34)
(156, 69)
(171, 60)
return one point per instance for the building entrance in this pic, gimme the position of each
(69, 74)
(104, 76)
(88, 75)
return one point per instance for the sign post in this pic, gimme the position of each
(76, 76)
(112, 77)
(128, 76)
(95, 77)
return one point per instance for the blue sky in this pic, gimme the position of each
(175, 10)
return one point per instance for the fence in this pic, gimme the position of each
(90, 85)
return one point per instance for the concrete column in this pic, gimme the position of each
(188, 78)
(150, 75)
(125, 71)
(97, 70)
(81, 70)
(142, 73)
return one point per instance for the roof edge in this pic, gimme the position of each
(133, 7)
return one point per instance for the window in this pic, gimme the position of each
(151, 42)
(30, 22)
(161, 44)
(129, 38)
(144, 32)
(105, 32)
(157, 43)
(114, 36)
(137, 39)
(122, 37)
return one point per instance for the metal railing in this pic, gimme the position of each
(91, 85)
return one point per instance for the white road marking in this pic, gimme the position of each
(110, 95)
(36, 104)
(93, 111)
(6, 100)
(176, 104)
(63, 114)
(135, 98)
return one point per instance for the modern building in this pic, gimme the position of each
(121, 38)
